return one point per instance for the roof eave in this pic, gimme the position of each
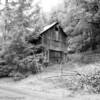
(48, 28)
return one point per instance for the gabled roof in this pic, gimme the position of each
(46, 28)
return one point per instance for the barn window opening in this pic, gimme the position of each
(57, 33)
(56, 28)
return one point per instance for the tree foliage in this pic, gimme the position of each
(21, 20)
(80, 17)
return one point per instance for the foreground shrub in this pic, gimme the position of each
(86, 79)
(19, 59)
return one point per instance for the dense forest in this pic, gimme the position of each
(21, 20)
(81, 21)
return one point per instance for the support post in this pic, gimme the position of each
(48, 55)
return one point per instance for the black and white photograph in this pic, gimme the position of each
(49, 49)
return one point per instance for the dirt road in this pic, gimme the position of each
(42, 86)
(38, 87)
(32, 88)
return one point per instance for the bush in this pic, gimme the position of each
(19, 58)
(28, 64)
(86, 79)
(25, 67)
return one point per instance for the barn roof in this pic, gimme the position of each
(48, 27)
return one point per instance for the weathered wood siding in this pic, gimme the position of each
(52, 41)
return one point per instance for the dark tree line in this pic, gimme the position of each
(80, 19)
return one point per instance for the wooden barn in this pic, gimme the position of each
(54, 40)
